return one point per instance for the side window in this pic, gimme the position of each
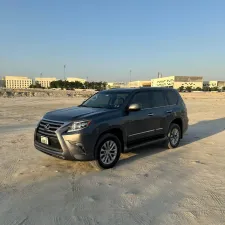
(172, 97)
(120, 99)
(141, 98)
(157, 99)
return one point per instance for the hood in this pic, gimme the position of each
(74, 113)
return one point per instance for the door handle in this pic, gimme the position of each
(150, 114)
(169, 111)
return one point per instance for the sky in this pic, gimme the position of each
(106, 39)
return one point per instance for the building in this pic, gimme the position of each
(220, 84)
(16, 82)
(116, 85)
(139, 83)
(178, 81)
(73, 79)
(44, 82)
(214, 84)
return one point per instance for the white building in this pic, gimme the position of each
(178, 81)
(116, 85)
(214, 83)
(139, 83)
(45, 82)
(17, 82)
(73, 79)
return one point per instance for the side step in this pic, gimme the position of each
(132, 147)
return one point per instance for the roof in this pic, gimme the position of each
(15, 77)
(135, 89)
(45, 78)
(120, 90)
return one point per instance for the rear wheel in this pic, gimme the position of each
(108, 151)
(174, 136)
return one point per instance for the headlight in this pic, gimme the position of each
(79, 125)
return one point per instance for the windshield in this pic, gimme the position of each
(109, 100)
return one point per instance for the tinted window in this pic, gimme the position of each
(109, 100)
(172, 97)
(120, 98)
(157, 99)
(141, 98)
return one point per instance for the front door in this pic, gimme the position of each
(140, 125)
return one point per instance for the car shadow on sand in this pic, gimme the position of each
(196, 132)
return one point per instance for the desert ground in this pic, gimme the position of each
(151, 185)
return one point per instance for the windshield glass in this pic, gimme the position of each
(109, 100)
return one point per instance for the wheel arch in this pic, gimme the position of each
(179, 122)
(118, 132)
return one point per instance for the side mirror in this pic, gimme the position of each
(134, 107)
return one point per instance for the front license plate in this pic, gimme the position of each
(44, 140)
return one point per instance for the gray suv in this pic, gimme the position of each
(112, 122)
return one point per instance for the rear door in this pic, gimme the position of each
(159, 108)
(173, 109)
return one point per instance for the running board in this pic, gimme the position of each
(130, 148)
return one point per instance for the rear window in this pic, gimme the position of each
(172, 97)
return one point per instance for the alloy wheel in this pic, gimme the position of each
(108, 152)
(174, 136)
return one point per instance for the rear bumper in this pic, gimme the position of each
(74, 146)
(185, 125)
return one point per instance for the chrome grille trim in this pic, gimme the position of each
(53, 126)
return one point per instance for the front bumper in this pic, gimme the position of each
(70, 146)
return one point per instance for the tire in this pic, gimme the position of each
(106, 158)
(174, 136)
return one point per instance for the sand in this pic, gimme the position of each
(151, 185)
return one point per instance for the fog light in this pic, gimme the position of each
(81, 147)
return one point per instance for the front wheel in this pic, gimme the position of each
(174, 136)
(108, 151)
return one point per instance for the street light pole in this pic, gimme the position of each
(64, 72)
(130, 78)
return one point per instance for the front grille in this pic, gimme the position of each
(48, 128)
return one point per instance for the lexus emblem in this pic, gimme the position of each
(47, 126)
